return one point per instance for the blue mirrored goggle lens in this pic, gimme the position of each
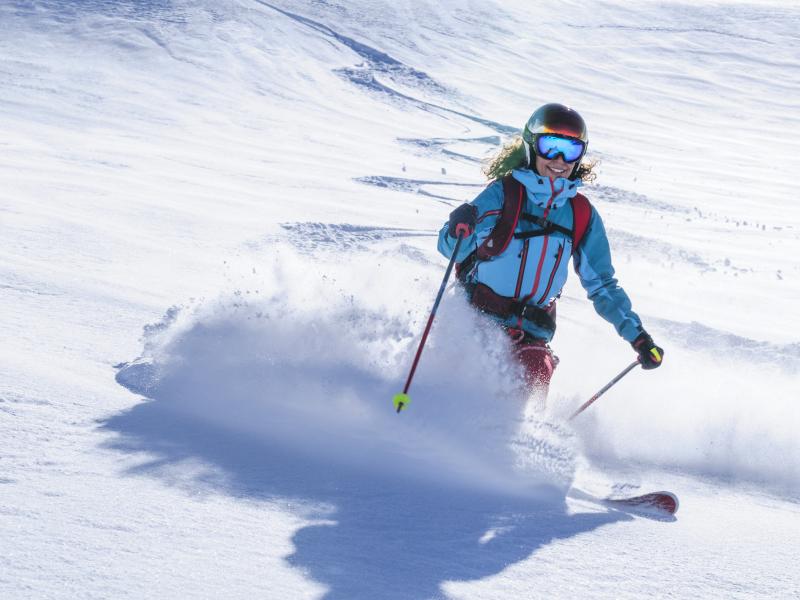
(550, 146)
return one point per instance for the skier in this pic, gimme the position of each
(519, 233)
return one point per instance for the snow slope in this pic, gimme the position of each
(218, 254)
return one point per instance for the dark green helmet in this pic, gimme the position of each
(550, 122)
(558, 119)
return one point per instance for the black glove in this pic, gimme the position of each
(462, 219)
(650, 355)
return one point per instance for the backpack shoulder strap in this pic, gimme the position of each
(581, 214)
(513, 201)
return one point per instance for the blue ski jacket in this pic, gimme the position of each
(534, 270)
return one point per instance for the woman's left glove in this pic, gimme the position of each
(650, 355)
(462, 220)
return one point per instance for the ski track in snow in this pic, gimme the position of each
(380, 63)
(437, 147)
(604, 193)
(310, 237)
(656, 250)
(723, 343)
(418, 187)
(376, 60)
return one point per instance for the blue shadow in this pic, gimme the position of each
(378, 535)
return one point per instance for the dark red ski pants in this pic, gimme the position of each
(537, 360)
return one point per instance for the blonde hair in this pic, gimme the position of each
(514, 155)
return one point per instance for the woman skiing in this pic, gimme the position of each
(519, 234)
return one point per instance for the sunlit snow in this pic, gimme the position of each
(218, 254)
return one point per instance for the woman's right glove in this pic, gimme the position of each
(650, 355)
(462, 220)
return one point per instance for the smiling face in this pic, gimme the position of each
(553, 168)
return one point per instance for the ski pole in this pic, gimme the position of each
(401, 400)
(591, 400)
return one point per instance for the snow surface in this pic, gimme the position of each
(218, 254)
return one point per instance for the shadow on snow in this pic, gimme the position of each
(371, 534)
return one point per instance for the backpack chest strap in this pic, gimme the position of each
(505, 229)
(547, 227)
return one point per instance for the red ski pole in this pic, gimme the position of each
(591, 400)
(401, 400)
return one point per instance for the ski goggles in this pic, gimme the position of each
(549, 146)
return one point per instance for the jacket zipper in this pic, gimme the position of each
(552, 275)
(553, 194)
(522, 262)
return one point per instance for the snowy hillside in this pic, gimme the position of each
(218, 254)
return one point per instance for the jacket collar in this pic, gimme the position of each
(541, 189)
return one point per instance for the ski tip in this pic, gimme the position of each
(675, 502)
(666, 501)
(662, 501)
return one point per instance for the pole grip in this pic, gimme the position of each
(463, 230)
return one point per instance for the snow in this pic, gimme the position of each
(218, 254)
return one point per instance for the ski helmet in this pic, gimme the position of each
(555, 119)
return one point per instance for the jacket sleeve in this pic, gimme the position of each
(592, 260)
(489, 204)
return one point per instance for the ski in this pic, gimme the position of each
(665, 502)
